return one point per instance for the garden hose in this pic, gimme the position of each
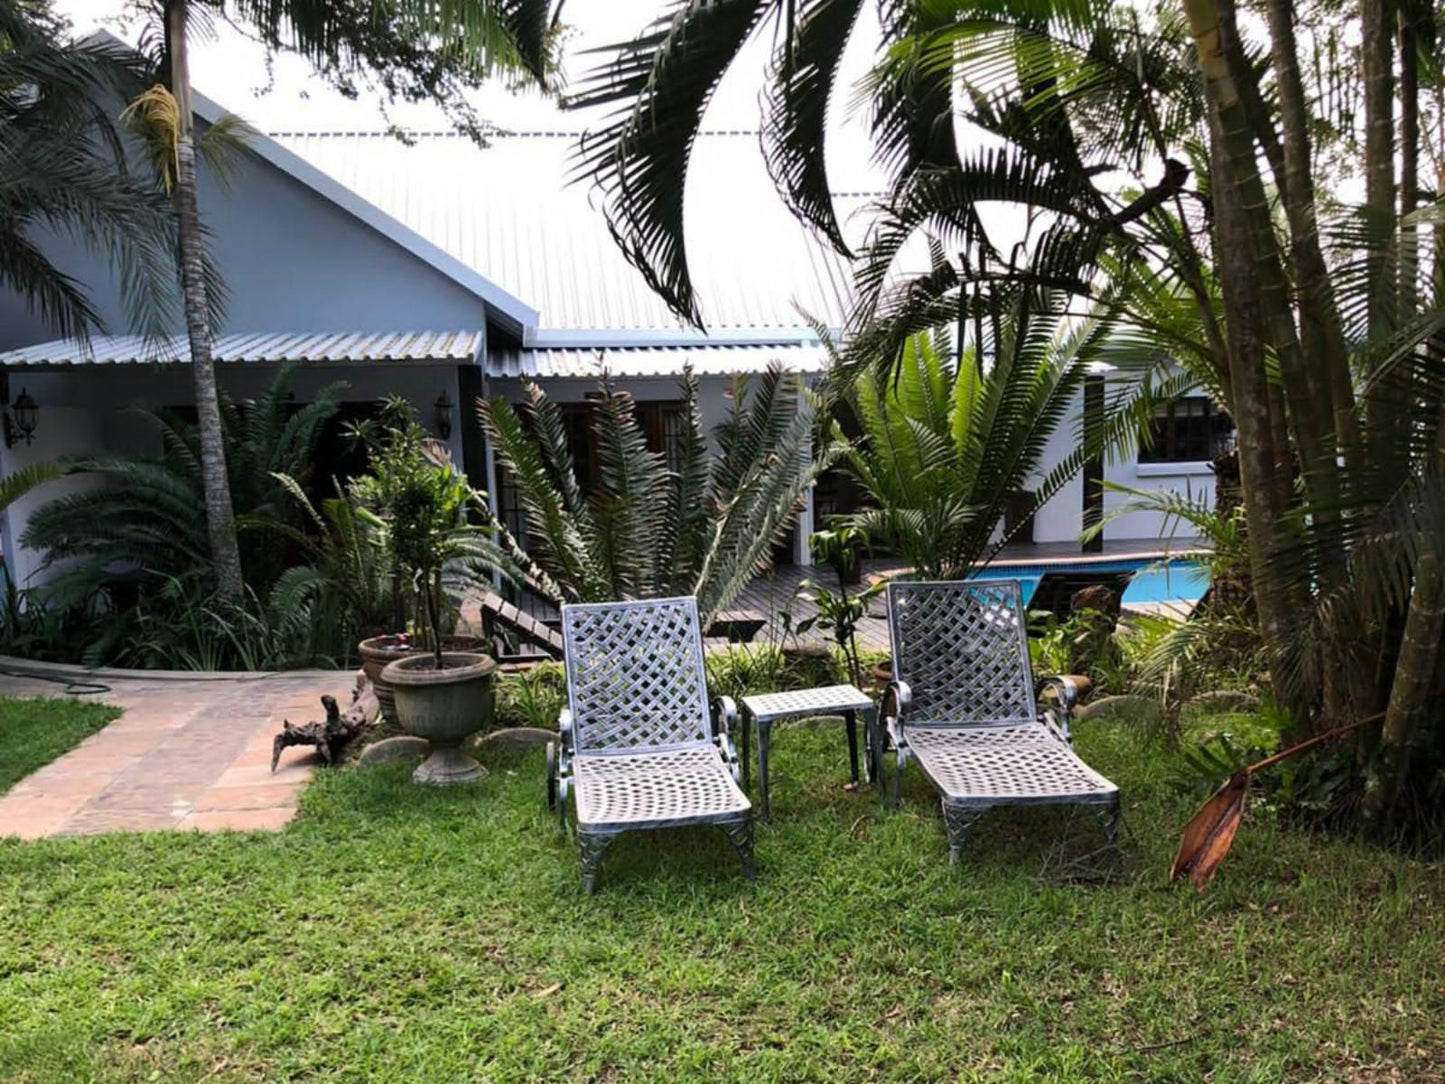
(72, 686)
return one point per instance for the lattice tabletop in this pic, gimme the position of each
(767, 708)
(826, 700)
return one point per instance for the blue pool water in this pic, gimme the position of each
(1180, 580)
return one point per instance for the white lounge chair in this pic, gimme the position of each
(637, 741)
(964, 705)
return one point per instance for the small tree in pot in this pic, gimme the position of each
(413, 495)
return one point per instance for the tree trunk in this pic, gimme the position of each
(1320, 327)
(1409, 165)
(1409, 694)
(1376, 54)
(220, 517)
(1237, 186)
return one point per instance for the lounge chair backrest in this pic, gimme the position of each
(962, 647)
(635, 675)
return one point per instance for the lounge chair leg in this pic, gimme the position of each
(958, 820)
(850, 720)
(899, 762)
(1108, 818)
(593, 846)
(741, 835)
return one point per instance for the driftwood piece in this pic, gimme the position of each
(328, 737)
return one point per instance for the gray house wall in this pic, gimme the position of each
(293, 261)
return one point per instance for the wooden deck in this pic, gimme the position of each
(778, 592)
(771, 595)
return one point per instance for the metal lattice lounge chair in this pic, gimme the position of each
(964, 705)
(637, 742)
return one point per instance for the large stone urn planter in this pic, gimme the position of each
(379, 652)
(376, 654)
(444, 706)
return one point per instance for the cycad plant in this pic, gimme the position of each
(949, 443)
(346, 582)
(706, 527)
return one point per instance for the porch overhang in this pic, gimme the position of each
(310, 347)
(705, 359)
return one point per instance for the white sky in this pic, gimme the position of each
(233, 71)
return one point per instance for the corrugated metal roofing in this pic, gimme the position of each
(705, 359)
(508, 211)
(400, 346)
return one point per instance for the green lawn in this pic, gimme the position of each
(403, 934)
(35, 732)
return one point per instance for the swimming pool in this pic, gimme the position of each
(1180, 580)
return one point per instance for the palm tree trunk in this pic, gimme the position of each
(1410, 693)
(220, 517)
(1238, 192)
(1320, 326)
(1409, 163)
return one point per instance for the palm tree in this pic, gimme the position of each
(684, 522)
(1066, 92)
(62, 168)
(430, 42)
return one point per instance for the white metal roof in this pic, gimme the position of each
(508, 212)
(707, 359)
(312, 346)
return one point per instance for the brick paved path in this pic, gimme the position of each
(186, 754)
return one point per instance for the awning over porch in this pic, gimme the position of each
(457, 347)
(706, 359)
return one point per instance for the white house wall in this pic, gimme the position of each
(83, 410)
(1061, 519)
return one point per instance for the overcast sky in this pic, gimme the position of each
(233, 71)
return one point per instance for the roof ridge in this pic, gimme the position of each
(451, 133)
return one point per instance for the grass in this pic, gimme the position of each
(33, 732)
(395, 933)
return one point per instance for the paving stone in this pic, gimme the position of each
(519, 737)
(256, 797)
(186, 754)
(239, 820)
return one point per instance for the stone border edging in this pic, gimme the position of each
(18, 667)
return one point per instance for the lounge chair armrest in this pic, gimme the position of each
(724, 715)
(567, 740)
(896, 698)
(1065, 689)
(1066, 695)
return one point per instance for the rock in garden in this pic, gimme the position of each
(519, 737)
(1225, 702)
(1141, 710)
(391, 750)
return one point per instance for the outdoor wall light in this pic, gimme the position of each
(444, 415)
(20, 419)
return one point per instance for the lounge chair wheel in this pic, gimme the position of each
(552, 775)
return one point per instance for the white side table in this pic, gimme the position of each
(768, 708)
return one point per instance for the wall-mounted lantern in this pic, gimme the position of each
(20, 419)
(444, 415)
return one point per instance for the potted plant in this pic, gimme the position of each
(412, 493)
